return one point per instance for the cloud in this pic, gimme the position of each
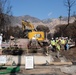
(50, 13)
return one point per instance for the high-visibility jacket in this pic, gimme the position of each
(53, 42)
(63, 42)
(57, 40)
(57, 46)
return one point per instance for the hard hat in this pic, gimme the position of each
(1, 34)
(52, 38)
(33, 38)
(56, 37)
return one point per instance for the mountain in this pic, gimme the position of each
(51, 23)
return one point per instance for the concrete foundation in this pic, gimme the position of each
(38, 60)
(21, 59)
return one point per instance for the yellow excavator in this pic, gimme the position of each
(31, 32)
(37, 39)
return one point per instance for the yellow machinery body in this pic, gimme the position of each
(32, 35)
(37, 34)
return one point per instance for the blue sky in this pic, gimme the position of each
(41, 9)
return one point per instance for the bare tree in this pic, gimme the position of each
(69, 4)
(60, 17)
(5, 10)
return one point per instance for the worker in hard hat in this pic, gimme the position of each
(66, 45)
(56, 39)
(34, 42)
(58, 48)
(11, 41)
(53, 44)
(63, 42)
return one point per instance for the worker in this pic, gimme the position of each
(11, 40)
(58, 48)
(1, 41)
(34, 42)
(63, 42)
(66, 46)
(53, 44)
(57, 40)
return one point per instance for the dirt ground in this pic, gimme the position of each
(70, 54)
(43, 70)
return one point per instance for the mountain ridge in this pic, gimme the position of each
(51, 23)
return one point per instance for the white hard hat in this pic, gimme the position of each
(33, 38)
(52, 38)
(56, 37)
(1, 34)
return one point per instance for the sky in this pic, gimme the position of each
(41, 9)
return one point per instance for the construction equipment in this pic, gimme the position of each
(28, 24)
(31, 32)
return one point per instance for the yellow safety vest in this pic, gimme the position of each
(62, 41)
(53, 42)
(58, 46)
(57, 41)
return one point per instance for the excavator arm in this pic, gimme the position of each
(28, 24)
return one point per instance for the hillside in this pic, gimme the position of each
(51, 23)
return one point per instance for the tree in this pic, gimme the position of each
(69, 4)
(60, 17)
(69, 32)
(5, 13)
(5, 10)
(42, 28)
